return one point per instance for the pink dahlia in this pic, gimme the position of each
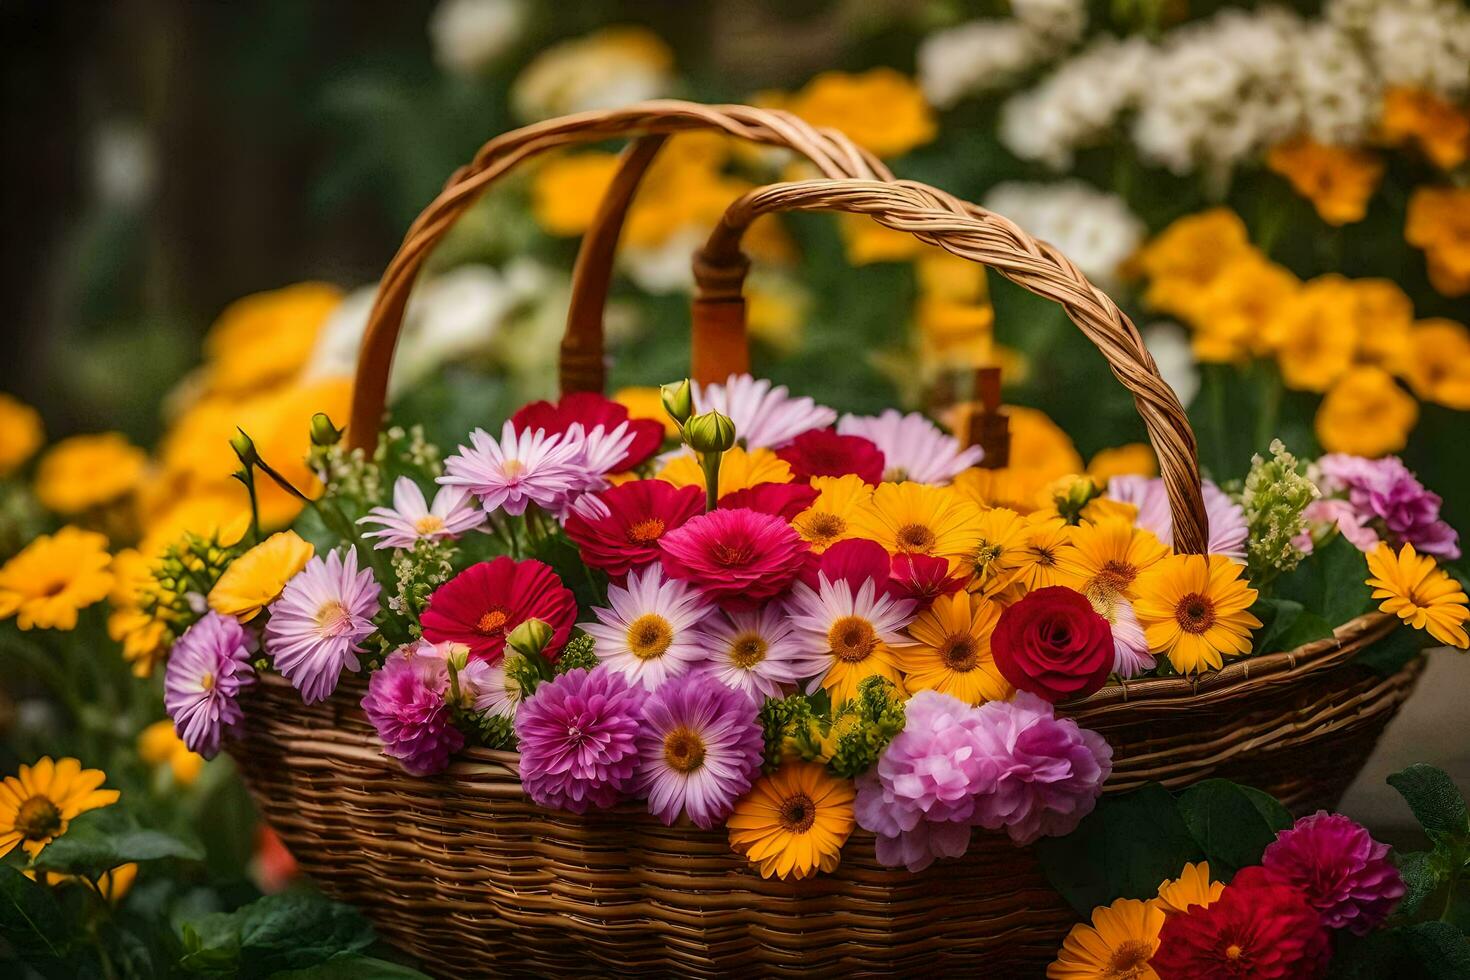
(737, 558)
(317, 626)
(913, 448)
(207, 670)
(1339, 868)
(700, 746)
(784, 500)
(639, 514)
(411, 519)
(1386, 496)
(1225, 517)
(591, 410)
(522, 468)
(578, 740)
(764, 416)
(1051, 771)
(825, 452)
(481, 605)
(405, 703)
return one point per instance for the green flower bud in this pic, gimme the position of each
(678, 399)
(529, 638)
(323, 432)
(710, 432)
(244, 448)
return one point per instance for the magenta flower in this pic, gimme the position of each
(405, 703)
(207, 670)
(700, 747)
(1342, 872)
(1226, 519)
(1386, 496)
(577, 736)
(737, 558)
(318, 624)
(522, 468)
(411, 519)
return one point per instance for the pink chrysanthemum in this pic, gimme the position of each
(737, 558)
(411, 519)
(650, 632)
(578, 740)
(484, 603)
(1226, 519)
(913, 448)
(824, 452)
(318, 624)
(700, 746)
(591, 410)
(764, 416)
(1339, 868)
(522, 468)
(638, 514)
(405, 703)
(753, 652)
(1385, 495)
(207, 670)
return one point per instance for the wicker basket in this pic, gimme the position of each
(463, 872)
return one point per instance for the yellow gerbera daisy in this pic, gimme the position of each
(829, 519)
(21, 433)
(255, 579)
(53, 577)
(740, 469)
(1193, 608)
(112, 886)
(1109, 554)
(1192, 887)
(1117, 945)
(38, 801)
(793, 822)
(997, 553)
(916, 519)
(952, 653)
(1046, 556)
(1420, 593)
(83, 472)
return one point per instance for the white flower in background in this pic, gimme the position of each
(1094, 229)
(1169, 345)
(124, 166)
(1421, 43)
(983, 55)
(1338, 90)
(335, 353)
(666, 267)
(469, 35)
(613, 67)
(1060, 21)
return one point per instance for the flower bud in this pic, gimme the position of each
(323, 432)
(244, 448)
(678, 399)
(710, 432)
(529, 638)
(1070, 494)
(457, 655)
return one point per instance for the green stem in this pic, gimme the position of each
(710, 463)
(1270, 413)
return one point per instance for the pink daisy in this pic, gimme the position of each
(764, 416)
(648, 635)
(913, 448)
(737, 558)
(411, 519)
(318, 624)
(753, 652)
(207, 669)
(1226, 520)
(520, 469)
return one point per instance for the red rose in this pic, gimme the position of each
(1053, 644)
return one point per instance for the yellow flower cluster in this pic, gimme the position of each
(1439, 223)
(882, 110)
(1338, 180)
(1440, 129)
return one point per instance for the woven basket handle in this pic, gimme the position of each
(974, 233)
(581, 364)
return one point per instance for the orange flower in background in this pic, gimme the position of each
(1193, 887)
(867, 242)
(21, 433)
(1231, 315)
(1130, 459)
(1366, 413)
(1382, 314)
(882, 109)
(1188, 255)
(55, 577)
(1441, 129)
(84, 472)
(1439, 223)
(566, 191)
(1337, 180)
(1436, 363)
(264, 339)
(38, 802)
(1308, 334)
(160, 746)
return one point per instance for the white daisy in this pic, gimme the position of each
(753, 652)
(411, 519)
(764, 416)
(518, 470)
(846, 637)
(914, 448)
(649, 633)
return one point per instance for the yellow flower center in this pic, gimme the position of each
(823, 527)
(1195, 613)
(1118, 575)
(915, 537)
(853, 639)
(798, 813)
(38, 819)
(986, 553)
(1129, 960)
(683, 750)
(206, 682)
(1234, 951)
(428, 524)
(512, 468)
(649, 636)
(333, 619)
(492, 622)
(747, 650)
(959, 652)
(646, 531)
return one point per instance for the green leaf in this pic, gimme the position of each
(100, 840)
(1422, 875)
(1432, 950)
(1389, 655)
(1331, 582)
(1232, 824)
(1435, 800)
(1286, 625)
(354, 968)
(1123, 849)
(30, 920)
(289, 931)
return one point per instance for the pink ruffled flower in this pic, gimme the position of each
(1339, 868)
(737, 558)
(1226, 519)
(405, 703)
(1385, 495)
(207, 670)
(578, 740)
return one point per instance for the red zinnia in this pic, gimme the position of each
(483, 603)
(735, 557)
(1053, 644)
(823, 452)
(591, 410)
(854, 561)
(1255, 929)
(639, 514)
(923, 578)
(785, 500)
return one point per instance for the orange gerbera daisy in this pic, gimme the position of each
(794, 822)
(952, 653)
(1108, 555)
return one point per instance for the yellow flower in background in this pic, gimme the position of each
(160, 745)
(775, 311)
(830, 517)
(1441, 129)
(867, 242)
(955, 334)
(881, 109)
(1436, 363)
(1439, 223)
(1109, 555)
(951, 653)
(566, 191)
(740, 469)
(89, 471)
(112, 886)
(21, 433)
(1116, 945)
(1310, 337)
(1366, 413)
(54, 577)
(1233, 310)
(264, 339)
(223, 514)
(1193, 609)
(143, 637)
(283, 440)
(917, 519)
(1192, 887)
(646, 403)
(38, 802)
(1338, 180)
(794, 822)
(1040, 446)
(255, 579)
(1419, 592)
(1129, 459)
(1186, 256)
(1381, 316)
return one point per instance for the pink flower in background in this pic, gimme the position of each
(1349, 522)
(648, 633)
(405, 703)
(318, 624)
(1384, 492)
(1226, 519)
(207, 670)
(1339, 868)
(753, 652)
(700, 746)
(764, 416)
(411, 519)
(578, 740)
(913, 448)
(591, 410)
(522, 468)
(737, 558)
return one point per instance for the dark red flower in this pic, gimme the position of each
(854, 561)
(591, 410)
(1255, 929)
(640, 512)
(737, 558)
(485, 602)
(1053, 644)
(923, 578)
(823, 452)
(784, 500)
